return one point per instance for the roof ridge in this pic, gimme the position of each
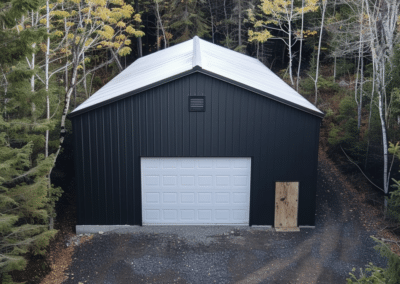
(196, 53)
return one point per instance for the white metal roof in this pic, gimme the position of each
(210, 57)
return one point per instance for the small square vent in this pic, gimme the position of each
(197, 103)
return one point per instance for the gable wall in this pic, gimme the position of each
(109, 141)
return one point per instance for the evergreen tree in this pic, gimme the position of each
(187, 19)
(24, 203)
(26, 197)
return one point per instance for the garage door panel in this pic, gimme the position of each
(195, 190)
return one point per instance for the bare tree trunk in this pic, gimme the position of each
(212, 21)
(47, 62)
(138, 39)
(32, 68)
(359, 101)
(334, 69)
(240, 23)
(158, 34)
(226, 26)
(160, 25)
(361, 90)
(84, 75)
(116, 60)
(47, 76)
(290, 45)
(301, 46)
(385, 149)
(324, 2)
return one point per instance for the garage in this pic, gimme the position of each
(195, 134)
(200, 191)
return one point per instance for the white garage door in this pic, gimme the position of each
(190, 191)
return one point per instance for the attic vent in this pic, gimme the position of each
(197, 103)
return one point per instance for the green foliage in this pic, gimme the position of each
(25, 204)
(327, 84)
(344, 67)
(395, 71)
(18, 45)
(347, 108)
(394, 200)
(187, 19)
(334, 135)
(374, 274)
(7, 279)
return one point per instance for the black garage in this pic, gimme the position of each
(196, 134)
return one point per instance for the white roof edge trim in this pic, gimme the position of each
(196, 52)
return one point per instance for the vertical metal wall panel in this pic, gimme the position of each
(214, 118)
(243, 124)
(207, 120)
(108, 166)
(129, 160)
(200, 116)
(185, 92)
(87, 167)
(178, 139)
(192, 118)
(229, 120)
(157, 113)
(235, 97)
(171, 126)
(164, 111)
(122, 155)
(78, 138)
(221, 119)
(115, 150)
(93, 166)
(149, 125)
(101, 164)
(137, 202)
(281, 140)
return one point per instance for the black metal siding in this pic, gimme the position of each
(109, 141)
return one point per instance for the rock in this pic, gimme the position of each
(101, 232)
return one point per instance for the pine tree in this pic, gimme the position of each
(25, 201)
(187, 19)
(26, 198)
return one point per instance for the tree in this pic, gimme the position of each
(26, 199)
(92, 26)
(389, 275)
(279, 15)
(187, 19)
(382, 24)
(24, 203)
(323, 11)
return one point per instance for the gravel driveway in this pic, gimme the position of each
(325, 254)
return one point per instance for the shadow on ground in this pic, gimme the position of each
(325, 254)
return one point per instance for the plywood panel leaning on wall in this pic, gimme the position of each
(286, 206)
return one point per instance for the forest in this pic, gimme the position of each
(342, 55)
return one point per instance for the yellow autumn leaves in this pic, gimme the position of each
(276, 12)
(94, 24)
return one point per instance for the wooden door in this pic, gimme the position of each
(286, 206)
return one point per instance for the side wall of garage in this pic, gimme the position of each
(109, 141)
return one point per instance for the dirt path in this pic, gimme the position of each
(236, 255)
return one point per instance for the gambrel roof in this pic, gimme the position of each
(197, 55)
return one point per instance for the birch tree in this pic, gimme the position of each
(91, 26)
(383, 24)
(323, 11)
(279, 15)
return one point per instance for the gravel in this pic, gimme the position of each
(220, 254)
